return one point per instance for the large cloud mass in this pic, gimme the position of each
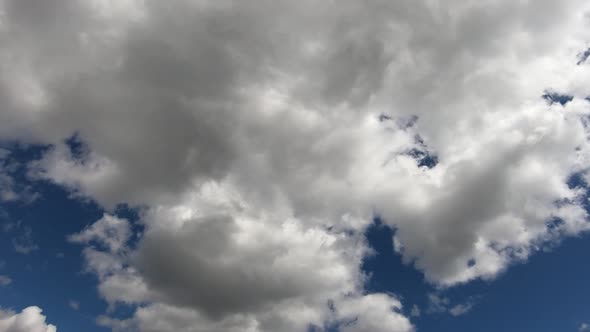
(262, 137)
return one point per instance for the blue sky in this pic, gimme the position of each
(294, 166)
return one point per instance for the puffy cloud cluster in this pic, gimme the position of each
(28, 320)
(233, 273)
(262, 137)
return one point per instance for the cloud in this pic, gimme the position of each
(442, 304)
(583, 327)
(22, 242)
(415, 312)
(11, 190)
(460, 309)
(75, 305)
(437, 303)
(226, 104)
(110, 231)
(374, 312)
(219, 273)
(28, 320)
(274, 131)
(5, 280)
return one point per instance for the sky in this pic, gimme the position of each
(294, 166)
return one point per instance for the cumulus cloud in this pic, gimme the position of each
(28, 320)
(260, 139)
(374, 312)
(217, 273)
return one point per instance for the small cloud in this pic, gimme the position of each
(60, 255)
(441, 304)
(584, 327)
(11, 191)
(460, 309)
(415, 312)
(74, 304)
(23, 244)
(24, 248)
(4, 280)
(9, 226)
(437, 303)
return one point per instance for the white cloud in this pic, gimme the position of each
(110, 231)
(460, 309)
(583, 327)
(372, 313)
(255, 128)
(28, 320)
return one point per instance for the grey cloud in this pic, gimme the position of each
(267, 113)
(200, 265)
(215, 274)
(109, 231)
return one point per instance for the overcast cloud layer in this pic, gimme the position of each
(262, 137)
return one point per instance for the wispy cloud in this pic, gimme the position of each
(75, 305)
(5, 280)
